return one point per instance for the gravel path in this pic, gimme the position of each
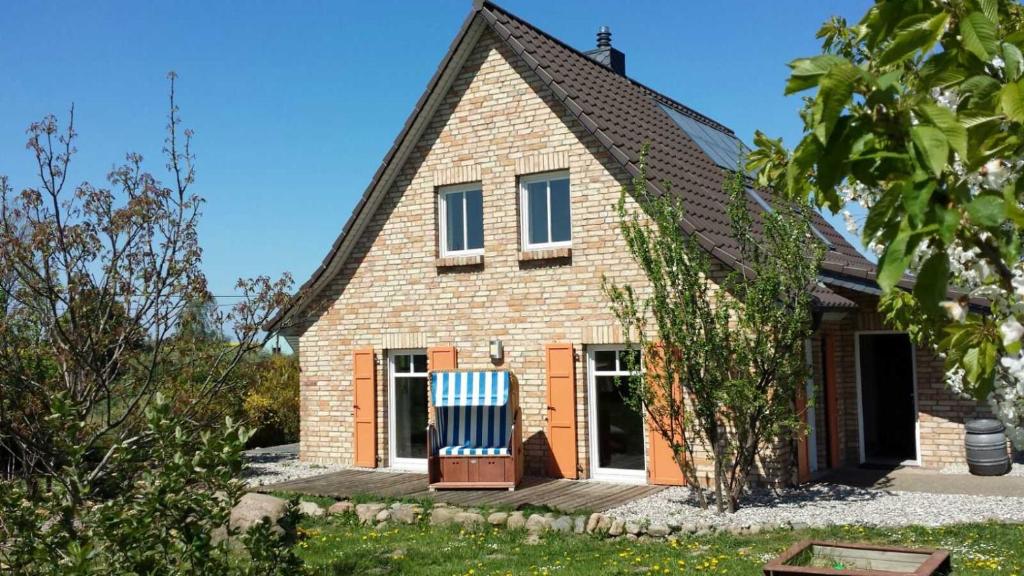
(826, 504)
(268, 467)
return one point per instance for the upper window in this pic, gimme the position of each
(462, 220)
(545, 209)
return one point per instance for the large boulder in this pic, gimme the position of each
(538, 523)
(469, 519)
(367, 513)
(516, 521)
(341, 507)
(405, 513)
(311, 509)
(442, 516)
(562, 524)
(252, 508)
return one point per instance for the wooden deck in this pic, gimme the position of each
(563, 495)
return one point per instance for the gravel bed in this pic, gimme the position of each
(1016, 469)
(270, 468)
(823, 505)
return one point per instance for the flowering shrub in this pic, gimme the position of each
(919, 118)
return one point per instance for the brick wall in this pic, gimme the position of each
(496, 124)
(941, 413)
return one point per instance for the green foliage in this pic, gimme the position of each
(724, 352)
(919, 114)
(272, 400)
(164, 519)
(340, 545)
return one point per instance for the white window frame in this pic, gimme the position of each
(524, 209)
(404, 464)
(598, 473)
(442, 225)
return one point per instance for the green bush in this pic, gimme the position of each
(272, 402)
(169, 517)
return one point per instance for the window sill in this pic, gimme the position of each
(457, 261)
(545, 254)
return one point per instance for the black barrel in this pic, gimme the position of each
(986, 447)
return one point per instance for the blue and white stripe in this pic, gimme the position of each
(473, 412)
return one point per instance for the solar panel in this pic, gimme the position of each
(723, 148)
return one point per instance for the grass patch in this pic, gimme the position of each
(339, 545)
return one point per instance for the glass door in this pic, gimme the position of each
(407, 412)
(617, 431)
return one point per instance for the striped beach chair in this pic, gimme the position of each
(474, 435)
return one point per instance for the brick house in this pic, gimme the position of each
(492, 219)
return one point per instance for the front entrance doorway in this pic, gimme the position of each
(407, 409)
(888, 399)
(616, 430)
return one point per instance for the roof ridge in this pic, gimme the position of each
(658, 96)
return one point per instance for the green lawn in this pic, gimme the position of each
(339, 545)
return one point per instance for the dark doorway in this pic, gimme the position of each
(888, 407)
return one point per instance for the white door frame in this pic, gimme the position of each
(596, 472)
(860, 399)
(406, 464)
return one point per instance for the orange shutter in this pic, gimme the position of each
(831, 401)
(561, 381)
(442, 358)
(662, 468)
(364, 409)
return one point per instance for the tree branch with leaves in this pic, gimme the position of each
(723, 351)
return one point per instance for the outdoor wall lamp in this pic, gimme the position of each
(497, 351)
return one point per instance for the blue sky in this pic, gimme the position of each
(294, 104)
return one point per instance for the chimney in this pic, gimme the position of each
(605, 54)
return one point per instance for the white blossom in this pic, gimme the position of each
(1011, 331)
(955, 311)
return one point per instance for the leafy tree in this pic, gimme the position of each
(272, 401)
(95, 282)
(723, 352)
(918, 116)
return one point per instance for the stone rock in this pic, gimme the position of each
(579, 525)
(381, 526)
(397, 554)
(799, 525)
(562, 524)
(632, 528)
(631, 537)
(218, 535)
(603, 525)
(593, 521)
(252, 508)
(617, 528)
(368, 512)
(469, 519)
(532, 539)
(442, 516)
(688, 528)
(658, 530)
(516, 521)
(755, 528)
(406, 514)
(341, 507)
(311, 509)
(497, 518)
(383, 516)
(673, 525)
(538, 523)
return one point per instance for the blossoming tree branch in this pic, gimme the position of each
(918, 117)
